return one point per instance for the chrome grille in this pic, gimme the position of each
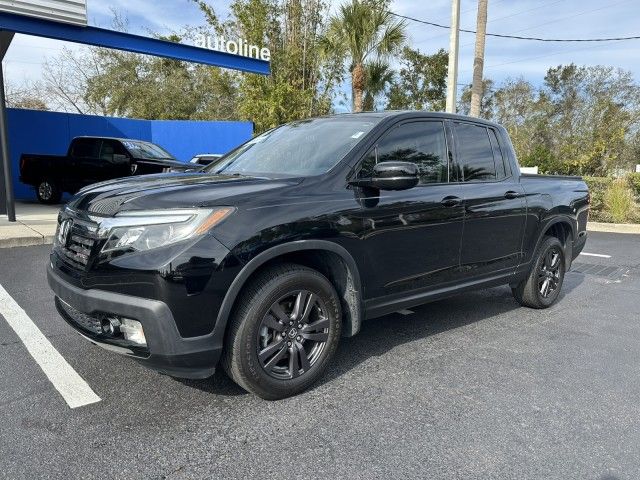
(78, 247)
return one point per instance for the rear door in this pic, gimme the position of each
(412, 237)
(494, 204)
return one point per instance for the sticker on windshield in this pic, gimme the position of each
(357, 135)
(130, 145)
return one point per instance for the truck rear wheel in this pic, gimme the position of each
(542, 286)
(48, 192)
(284, 332)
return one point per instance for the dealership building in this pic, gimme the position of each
(66, 20)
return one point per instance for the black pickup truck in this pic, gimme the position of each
(264, 259)
(91, 160)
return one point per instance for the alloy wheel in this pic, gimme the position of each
(293, 334)
(549, 273)
(45, 190)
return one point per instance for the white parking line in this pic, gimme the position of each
(75, 391)
(595, 255)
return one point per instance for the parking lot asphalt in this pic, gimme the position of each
(473, 386)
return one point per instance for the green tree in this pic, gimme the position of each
(367, 30)
(486, 100)
(378, 76)
(421, 82)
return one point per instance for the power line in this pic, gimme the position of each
(516, 37)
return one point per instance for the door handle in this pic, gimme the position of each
(511, 194)
(451, 201)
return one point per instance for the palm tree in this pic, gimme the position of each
(365, 28)
(377, 75)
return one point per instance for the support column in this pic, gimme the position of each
(452, 82)
(7, 200)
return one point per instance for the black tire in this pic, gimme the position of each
(48, 192)
(542, 286)
(255, 329)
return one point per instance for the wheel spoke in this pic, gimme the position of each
(545, 287)
(299, 306)
(271, 322)
(315, 326)
(308, 308)
(316, 337)
(555, 261)
(270, 349)
(278, 313)
(304, 360)
(276, 358)
(294, 362)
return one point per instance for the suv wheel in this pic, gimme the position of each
(48, 192)
(284, 332)
(542, 287)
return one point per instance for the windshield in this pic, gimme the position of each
(302, 148)
(147, 150)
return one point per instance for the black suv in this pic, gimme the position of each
(264, 259)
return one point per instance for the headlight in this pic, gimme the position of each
(145, 230)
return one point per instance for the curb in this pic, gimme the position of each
(628, 228)
(26, 241)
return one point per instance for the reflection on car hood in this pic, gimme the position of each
(179, 190)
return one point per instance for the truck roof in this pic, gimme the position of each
(409, 113)
(121, 139)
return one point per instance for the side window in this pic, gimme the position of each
(86, 148)
(107, 151)
(498, 157)
(475, 155)
(422, 143)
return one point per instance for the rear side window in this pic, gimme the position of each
(422, 143)
(475, 155)
(86, 147)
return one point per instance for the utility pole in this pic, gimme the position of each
(478, 60)
(452, 80)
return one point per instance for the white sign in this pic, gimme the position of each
(638, 168)
(237, 46)
(66, 11)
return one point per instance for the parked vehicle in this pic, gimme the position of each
(266, 259)
(90, 160)
(205, 159)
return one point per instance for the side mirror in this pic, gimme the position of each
(119, 158)
(391, 176)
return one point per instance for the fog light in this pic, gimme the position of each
(132, 331)
(110, 326)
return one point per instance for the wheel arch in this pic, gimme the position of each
(564, 230)
(309, 253)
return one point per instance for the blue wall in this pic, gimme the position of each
(49, 133)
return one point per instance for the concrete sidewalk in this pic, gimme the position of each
(35, 225)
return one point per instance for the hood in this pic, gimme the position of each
(178, 190)
(175, 165)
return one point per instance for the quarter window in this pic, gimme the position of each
(475, 155)
(498, 157)
(422, 143)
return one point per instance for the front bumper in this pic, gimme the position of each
(166, 351)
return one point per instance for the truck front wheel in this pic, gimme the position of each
(48, 192)
(283, 332)
(542, 286)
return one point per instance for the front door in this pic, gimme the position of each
(412, 237)
(494, 204)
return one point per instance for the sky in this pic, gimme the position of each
(504, 58)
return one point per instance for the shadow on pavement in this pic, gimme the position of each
(380, 335)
